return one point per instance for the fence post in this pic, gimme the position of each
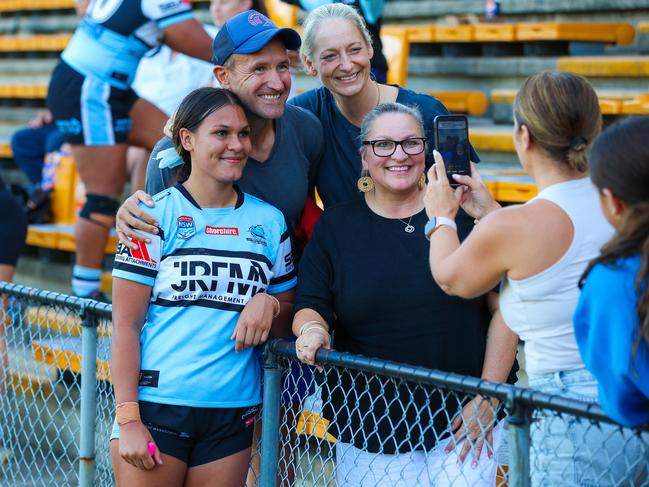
(88, 398)
(519, 434)
(270, 419)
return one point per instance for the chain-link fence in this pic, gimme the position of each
(358, 422)
(367, 422)
(48, 416)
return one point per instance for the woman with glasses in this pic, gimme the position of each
(362, 276)
(337, 48)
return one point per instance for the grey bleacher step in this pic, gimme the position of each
(26, 70)
(418, 9)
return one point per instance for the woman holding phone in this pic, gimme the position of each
(539, 251)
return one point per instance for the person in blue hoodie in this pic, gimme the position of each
(612, 317)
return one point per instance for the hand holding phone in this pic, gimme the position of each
(452, 142)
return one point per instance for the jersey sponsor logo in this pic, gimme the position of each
(232, 231)
(248, 416)
(186, 227)
(69, 126)
(145, 255)
(173, 4)
(256, 19)
(211, 279)
(149, 378)
(258, 235)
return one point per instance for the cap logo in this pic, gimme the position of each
(256, 19)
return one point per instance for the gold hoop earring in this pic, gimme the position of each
(365, 183)
(422, 181)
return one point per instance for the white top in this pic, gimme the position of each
(540, 308)
(165, 80)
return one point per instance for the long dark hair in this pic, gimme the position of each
(619, 161)
(196, 107)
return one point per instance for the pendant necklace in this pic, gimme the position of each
(409, 228)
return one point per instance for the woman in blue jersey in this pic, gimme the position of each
(188, 306)
(337, 48)
(612, 316)
(98, 113)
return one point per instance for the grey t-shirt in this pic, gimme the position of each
(284, 180)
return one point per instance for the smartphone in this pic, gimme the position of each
(452, 141)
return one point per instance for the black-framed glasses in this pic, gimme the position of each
(385, 148)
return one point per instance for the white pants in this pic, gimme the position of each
(358, 468)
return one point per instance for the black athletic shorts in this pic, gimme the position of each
(197, 435)
(13, 227)
(87, 110)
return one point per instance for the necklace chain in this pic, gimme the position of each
(408, 227)
(378, 93)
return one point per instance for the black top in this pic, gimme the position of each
(371, 281)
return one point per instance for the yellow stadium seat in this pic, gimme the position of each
(39, 42)
(494, 32)
(606, 66)
(615, 33)
(491, 140)
(312, 424)
(283, 14)
(471, 102)
(637, 106)
(65, 355)
(5, 151)
(396, 48)
(454, 33)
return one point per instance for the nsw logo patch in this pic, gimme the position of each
(186, 227)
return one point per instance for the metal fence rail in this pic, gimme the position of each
(368, 422)
(358, 422)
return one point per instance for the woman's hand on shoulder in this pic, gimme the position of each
(130, 217)
(134, 439)
(254, 323)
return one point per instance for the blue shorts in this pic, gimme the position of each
(87, 110)
(298, 382)
(197, 435)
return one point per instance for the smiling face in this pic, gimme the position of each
(341, 57)
(261, 80)
(399, 172)
(219, 146)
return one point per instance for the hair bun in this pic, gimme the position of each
(578, 144)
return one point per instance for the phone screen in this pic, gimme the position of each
(453, 143)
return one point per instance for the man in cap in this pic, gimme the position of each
(250, 57)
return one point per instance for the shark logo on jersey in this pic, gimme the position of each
(186, 227)
(258, 235)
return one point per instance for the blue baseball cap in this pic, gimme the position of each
(249, 32)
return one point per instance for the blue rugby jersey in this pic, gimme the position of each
(203, 268)
(115, 34)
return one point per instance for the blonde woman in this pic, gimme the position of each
(337, 48)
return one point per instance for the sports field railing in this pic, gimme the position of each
(357, 422)
(368, 422)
